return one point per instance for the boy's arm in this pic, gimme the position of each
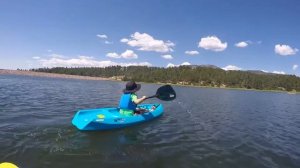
(140, 100)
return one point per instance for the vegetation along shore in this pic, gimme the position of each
(199, 76)
(204, 76)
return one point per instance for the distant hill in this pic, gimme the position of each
(204, 66)
(259, 72)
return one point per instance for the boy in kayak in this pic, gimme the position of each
(129, 100)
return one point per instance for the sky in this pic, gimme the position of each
(232, 34)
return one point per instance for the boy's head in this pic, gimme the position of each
(131, 87)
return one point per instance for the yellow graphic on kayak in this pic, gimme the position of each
(8, 165)
(101, 116)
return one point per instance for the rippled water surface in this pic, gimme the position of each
(204, 128)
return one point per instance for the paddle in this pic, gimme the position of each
(165, 93)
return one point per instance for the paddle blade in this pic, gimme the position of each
(166, 93)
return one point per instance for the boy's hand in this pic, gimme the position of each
(144, 97)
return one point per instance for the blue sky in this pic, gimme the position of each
(231, 34)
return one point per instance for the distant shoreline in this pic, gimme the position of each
(65, 76)
(231, 88)
(51, 75)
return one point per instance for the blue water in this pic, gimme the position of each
(213, 128)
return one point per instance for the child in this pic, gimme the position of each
(129, 100)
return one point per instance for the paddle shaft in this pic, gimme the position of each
(151, 97)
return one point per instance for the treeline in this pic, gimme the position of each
(188, 75)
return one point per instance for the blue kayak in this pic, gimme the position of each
(110, 118)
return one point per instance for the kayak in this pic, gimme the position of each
(110, 118)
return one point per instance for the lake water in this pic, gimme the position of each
(207, 128)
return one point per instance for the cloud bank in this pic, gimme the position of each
(85, 61)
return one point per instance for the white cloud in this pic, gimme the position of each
(241, 44)
(113, 55)
(108, 42)
(85, 57)
(295, 67)
(279, 72)
(49, 50)
(191, 52)
(212, 43)
(85, 61)
(124, 40)
(129, 54)
(36, 58)
(185, 63)
(232, 68)
(102, 36)
(168, 56)
(57, 56)
(285, 50)
(135, 64)
(74, 62)
(173, 65)
(145, 42)
(170, 65)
